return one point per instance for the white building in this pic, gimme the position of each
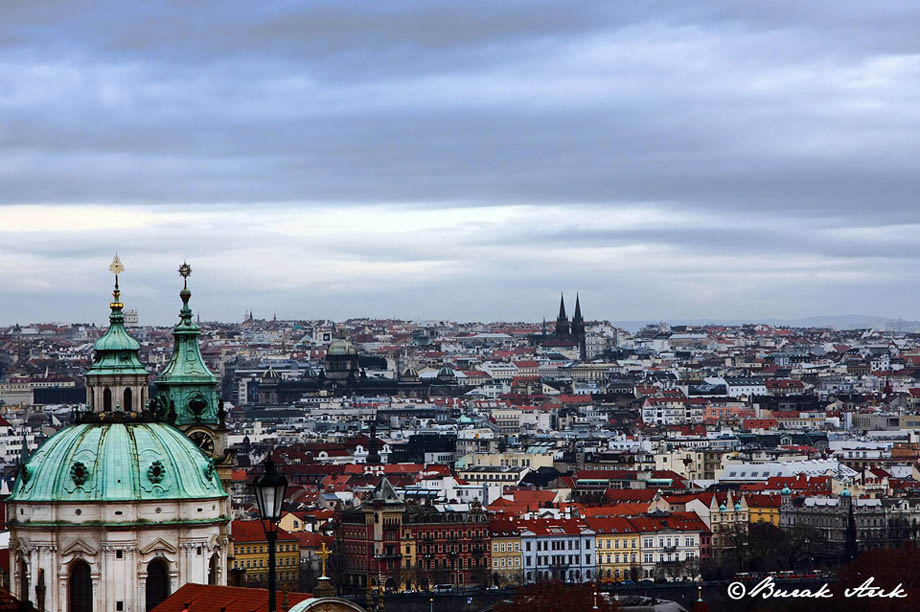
(558, 549)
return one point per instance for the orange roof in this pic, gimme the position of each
(310, 539)
(209, 598)
(253, 531)
(630, 495)
(627, 509)
(611, 524)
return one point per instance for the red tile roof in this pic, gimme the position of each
(208, 598)
(253, 531)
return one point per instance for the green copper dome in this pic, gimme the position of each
(116, 350)
(113, 462)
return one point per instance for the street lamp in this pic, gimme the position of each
(270, 489)
(808, 547)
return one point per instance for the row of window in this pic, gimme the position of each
(282, 576)
(668, 541)
(263, 563)
(616, 543)
(615, 558)
(442, 548)
(558, 545)
(251, 550)
(559, 560)
(449, 564)
(453, 533)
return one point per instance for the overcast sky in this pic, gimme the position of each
(717, 160)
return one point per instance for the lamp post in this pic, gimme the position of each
(808, 547)
(270, 489)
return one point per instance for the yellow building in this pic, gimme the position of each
(763, 508)
(616, 543)
(290, 522)
(250, 554)
(507, 555)
(410, 571)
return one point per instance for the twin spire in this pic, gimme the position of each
(562, 316)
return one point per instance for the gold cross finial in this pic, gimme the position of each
(324, 553)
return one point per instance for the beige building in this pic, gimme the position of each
(532, 460)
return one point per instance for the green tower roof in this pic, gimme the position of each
(97, 462)
(187, 365)
(186, 382)
(116, 350)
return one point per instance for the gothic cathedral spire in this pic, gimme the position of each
(562, 321)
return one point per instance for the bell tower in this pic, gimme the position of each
(117, 381)
(187, 390)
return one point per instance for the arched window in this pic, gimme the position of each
(157, 583)
(127, 406)
(107, 400)
(212, 568)
(80, 587)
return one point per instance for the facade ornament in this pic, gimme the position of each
(79, 473)
(156, 472)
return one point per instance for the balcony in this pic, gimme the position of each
(670, 549)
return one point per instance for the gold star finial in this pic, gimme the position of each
(116, 268)
(185, 271)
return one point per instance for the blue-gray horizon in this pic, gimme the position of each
(712, 161)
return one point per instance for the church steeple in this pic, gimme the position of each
(187, 385)
(562, 320)
(117, 380)
(578, 330)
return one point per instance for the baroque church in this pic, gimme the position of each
(129, 503)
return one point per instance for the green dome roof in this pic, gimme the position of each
(117, 338)
(342, 347)
(116, 350)
(117, 462)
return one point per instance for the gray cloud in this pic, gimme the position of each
(779, 135)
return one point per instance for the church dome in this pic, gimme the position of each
(341, 347)
(96, 462)
(271, 374)
(116, 351)
(116, 338)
